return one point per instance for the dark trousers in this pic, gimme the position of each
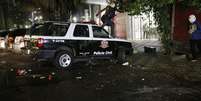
(195, 46)
(108, 22)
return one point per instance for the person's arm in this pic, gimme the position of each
(198, 27)
(101, 11)
(118, 10)
(191, 29)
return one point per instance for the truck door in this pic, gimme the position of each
(101, 44)
(81, 40)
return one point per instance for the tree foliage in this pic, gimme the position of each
(56, 9)
(162, 12)
(18, 11)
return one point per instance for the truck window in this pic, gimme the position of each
(49, 29)
(99, 32)
(58, 30)
(81, 31)
(39, 29)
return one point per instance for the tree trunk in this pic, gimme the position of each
(5, 17)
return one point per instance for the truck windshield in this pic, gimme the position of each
(99, 32)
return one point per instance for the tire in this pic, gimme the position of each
(63, 60)
(121, 56)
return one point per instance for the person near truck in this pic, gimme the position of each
(107, 18)
(195, 37)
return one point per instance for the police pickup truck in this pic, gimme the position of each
(67, 43)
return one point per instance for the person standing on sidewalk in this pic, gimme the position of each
(195, 37)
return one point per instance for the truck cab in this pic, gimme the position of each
(67, 43)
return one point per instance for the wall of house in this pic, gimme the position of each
(142, 27)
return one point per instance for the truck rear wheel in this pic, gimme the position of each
(63, 60)
(121, 56)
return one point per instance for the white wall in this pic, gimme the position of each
(135, 26)
(98, 2)
(135, 23)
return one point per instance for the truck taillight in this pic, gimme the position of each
(40, 42)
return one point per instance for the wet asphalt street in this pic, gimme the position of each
(146, 78)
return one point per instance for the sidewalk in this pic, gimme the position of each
(140, 44)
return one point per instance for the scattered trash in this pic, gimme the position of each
(143, 90)
(102, 86)
(28, 51)
(100, 74)
(53, 73)
(138, 66)
(21, 72)
(78, 78)
(29, 70)
(3, 62)
(98, 88)
(3, 54)
(125, 64)
(143, 79)
(11, 69)
(144, 68)
(147, 90)
(33, 76)
(178, 57)
(49, 77)
(42, 77)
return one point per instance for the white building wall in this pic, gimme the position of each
(97, 2)
(134, 27)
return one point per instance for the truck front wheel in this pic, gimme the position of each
(121, 56)
(63, 60)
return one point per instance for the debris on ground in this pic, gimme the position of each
(178, 57)
(78, 78)
(148, 78)
(3, 62)
(125, 64)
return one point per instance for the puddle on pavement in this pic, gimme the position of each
(145, 89)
